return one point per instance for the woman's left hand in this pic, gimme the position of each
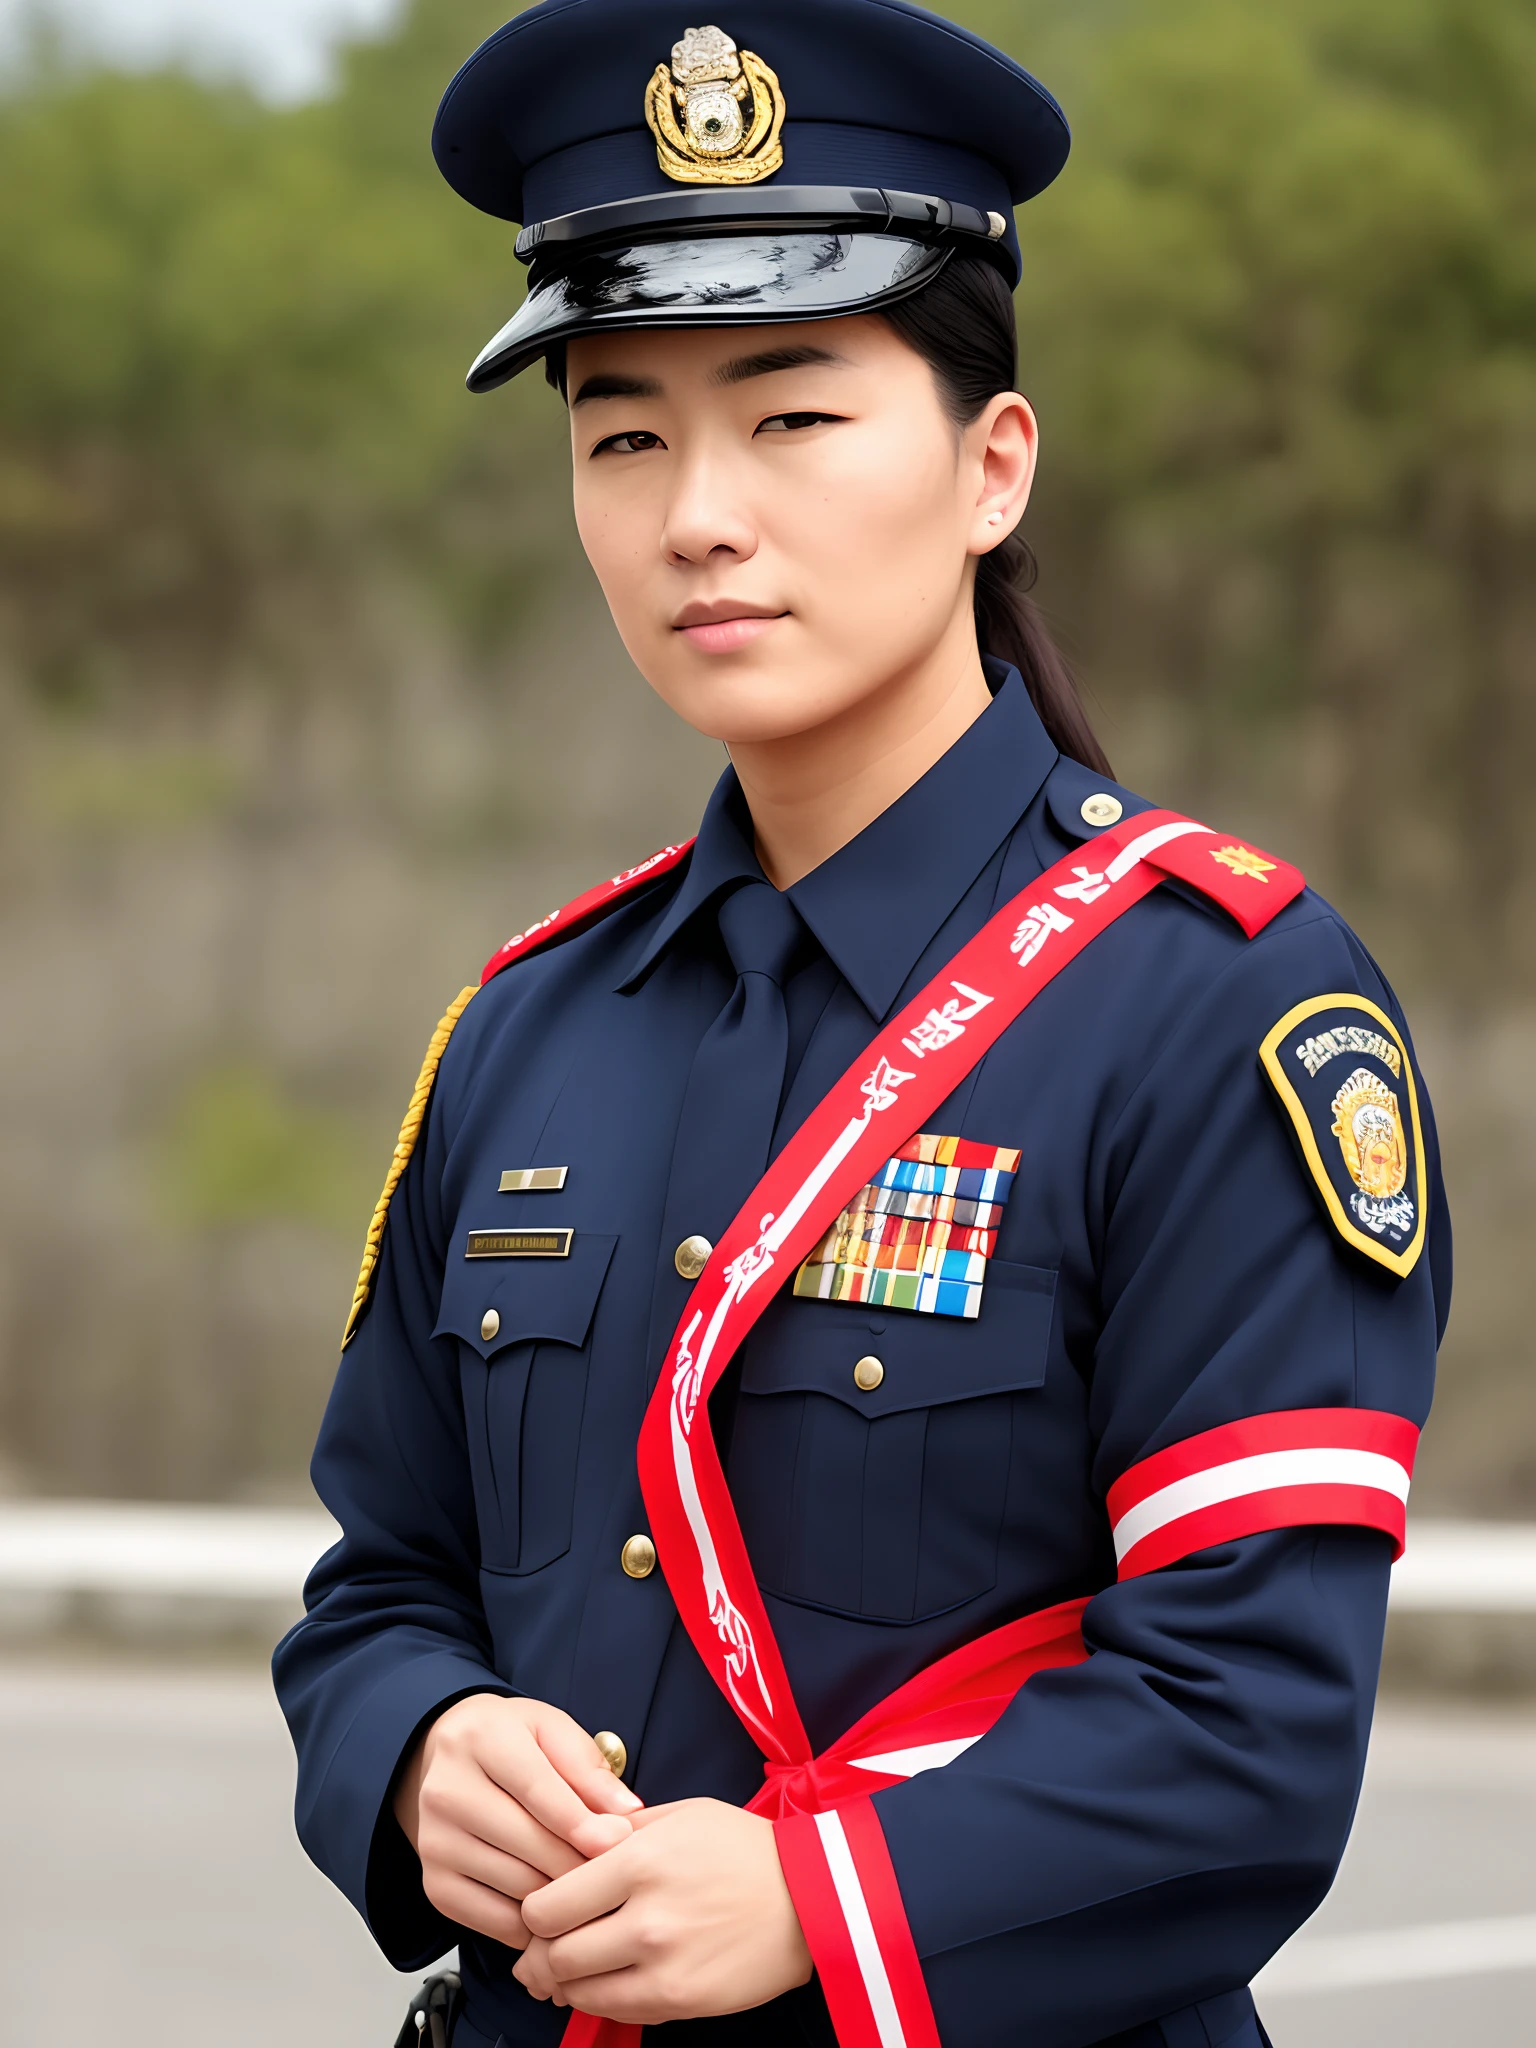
(688, 1918)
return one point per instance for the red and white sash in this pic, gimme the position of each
(1327, 1465)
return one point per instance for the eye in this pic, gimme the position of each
(791, 422)
(633, 443)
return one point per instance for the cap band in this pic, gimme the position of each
(794, 209)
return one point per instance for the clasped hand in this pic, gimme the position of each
(630, 1913)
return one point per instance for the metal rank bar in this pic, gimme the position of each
(533, 1180)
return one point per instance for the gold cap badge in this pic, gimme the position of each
(716, 114)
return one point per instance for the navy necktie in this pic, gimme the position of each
(735, 1085)
(742, 1056)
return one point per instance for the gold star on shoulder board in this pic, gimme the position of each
(1242, 860)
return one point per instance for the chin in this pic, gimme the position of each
(752, 707)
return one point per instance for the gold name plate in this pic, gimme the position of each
(533, 1180)
(519, 1244)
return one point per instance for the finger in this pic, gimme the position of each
(532, 1969)
(477, 1808)
(509, 1875)
(477, 1906)
(597, 1949)
(514, 1760)
(583, 1766)
(581, 1895)
(648, 1814)
(625, 1995)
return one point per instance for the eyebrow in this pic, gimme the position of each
(738, 370)
(605, 386)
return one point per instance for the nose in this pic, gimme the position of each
(706, 518)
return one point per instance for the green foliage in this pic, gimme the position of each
(1308, 238)
(239, 1149)
(234, 394)
(194, 264)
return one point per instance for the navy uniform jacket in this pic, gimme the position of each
(1139, 1833)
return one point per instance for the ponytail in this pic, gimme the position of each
(1009, 627)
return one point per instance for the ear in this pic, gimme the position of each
(1003, 443)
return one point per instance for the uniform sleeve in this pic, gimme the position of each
(1143, 1830)
(394, 1629)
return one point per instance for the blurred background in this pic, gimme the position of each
(307, 698)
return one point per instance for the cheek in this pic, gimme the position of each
(878, 515)
(617, 529)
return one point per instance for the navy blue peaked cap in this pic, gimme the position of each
(789, 160)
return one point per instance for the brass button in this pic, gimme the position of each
(638, 1557)
(868, 1374)
(490, 1323)
(1102, 809)
(692, 1256)
(615, 1755)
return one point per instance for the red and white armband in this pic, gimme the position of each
(1281, 1471)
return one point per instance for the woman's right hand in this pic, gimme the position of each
(499, 1796)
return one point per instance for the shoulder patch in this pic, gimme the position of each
(405, 1145)
(1341, 1071)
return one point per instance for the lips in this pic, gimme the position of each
(725, 625)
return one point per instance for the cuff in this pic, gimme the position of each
(348, 1825)
(401, 1917)
(843, 1886)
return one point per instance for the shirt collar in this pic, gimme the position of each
(876, 904)
(722, 854)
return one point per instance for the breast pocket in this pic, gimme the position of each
(524, 1336)
(872, 1450)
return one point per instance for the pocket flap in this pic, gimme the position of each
(537, 1301)
(804, 1346)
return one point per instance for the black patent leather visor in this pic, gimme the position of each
(712, 281)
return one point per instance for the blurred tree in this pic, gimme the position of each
(236, 377)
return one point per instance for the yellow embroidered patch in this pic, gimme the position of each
(405, 1145)
(1343, 1076)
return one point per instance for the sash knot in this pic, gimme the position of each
(797, 1788)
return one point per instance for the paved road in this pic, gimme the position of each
(150, 1881)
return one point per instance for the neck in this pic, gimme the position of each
(811, 792)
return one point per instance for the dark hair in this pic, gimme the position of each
(962, 325)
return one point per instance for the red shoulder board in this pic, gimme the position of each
(585, 910)
(1253, 886)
